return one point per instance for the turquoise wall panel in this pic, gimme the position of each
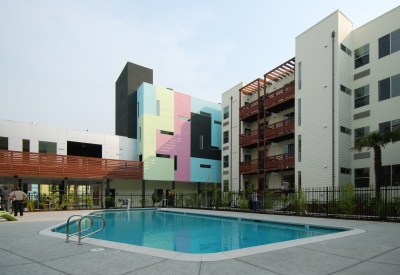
(211, 175)
(215, 109)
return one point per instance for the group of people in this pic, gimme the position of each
(17, 197)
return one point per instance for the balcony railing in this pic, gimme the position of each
(61, 166)
(279, 162)
(250, 166)
(279, 96)
(279, 129)
(250, 138)
(251, 109)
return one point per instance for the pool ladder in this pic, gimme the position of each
(166, 203)
(80, 231)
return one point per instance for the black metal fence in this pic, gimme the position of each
(341, 202)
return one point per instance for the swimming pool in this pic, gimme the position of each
(195, 233)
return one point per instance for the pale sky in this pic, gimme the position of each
(59, 60)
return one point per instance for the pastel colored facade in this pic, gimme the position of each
(179, 137)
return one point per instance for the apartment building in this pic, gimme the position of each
(347, 84)
(299, 121)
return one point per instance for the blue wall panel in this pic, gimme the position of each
(211, 175)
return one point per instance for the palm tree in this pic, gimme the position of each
(377, 140)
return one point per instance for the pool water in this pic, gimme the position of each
(193, 233)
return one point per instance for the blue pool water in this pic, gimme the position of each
(194, 233)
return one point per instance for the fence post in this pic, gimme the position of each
(327, 201)
(386, 202)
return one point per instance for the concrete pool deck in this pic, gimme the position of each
(375, 249)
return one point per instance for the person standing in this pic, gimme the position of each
(18, 201)
(4, 198)
(254, 198)
(153, 198)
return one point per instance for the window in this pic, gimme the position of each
(396, 174)
(288, 148)
(175, 163)
(384, 45)
(166, 133)
(201, 141)
(162, 156)
(25, 145)
(47, 147)
(345, 130)
(360, 132)
(138, 109)
(299, 148)
(361, 56)
(384, 126)
(158, 108)
(299, 80)
(389, 87)
(288, 115)
(226, 137)
(345, 49)
(205, 166)
(361, 177)
(299, 179)
(205, 114)
(389, 43)
(3, 143)
(299, 112)
(226, 161)
(226, 112)
(140, 133)
(217, 122)
(389, 125)
(345, 170)
(361, 96)
(345, 89)
(386, 175)
(226, 185)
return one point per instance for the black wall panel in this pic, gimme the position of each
(201, 126)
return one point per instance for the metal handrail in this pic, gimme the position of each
(156, 209)
(79, 232)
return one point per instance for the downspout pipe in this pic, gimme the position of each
(230, 146)
(333, 109)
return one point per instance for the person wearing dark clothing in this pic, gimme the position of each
(4, 198)
(153, 198)
(18, 198)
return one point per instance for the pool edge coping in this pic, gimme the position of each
(209, 257)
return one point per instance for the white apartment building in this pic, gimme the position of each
(347, 83)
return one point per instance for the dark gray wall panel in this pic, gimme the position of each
(362, 115)
(364, 155)
(362, 74)
(131, 77)
(201, 126)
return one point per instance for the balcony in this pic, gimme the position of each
(250, 139)
(280, 131)
(248, 112)
(250, 166)
(26, 164)
(279, 162)
(280, 99)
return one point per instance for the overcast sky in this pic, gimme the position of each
(59, 60)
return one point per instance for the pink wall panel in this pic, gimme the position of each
(182, 134)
